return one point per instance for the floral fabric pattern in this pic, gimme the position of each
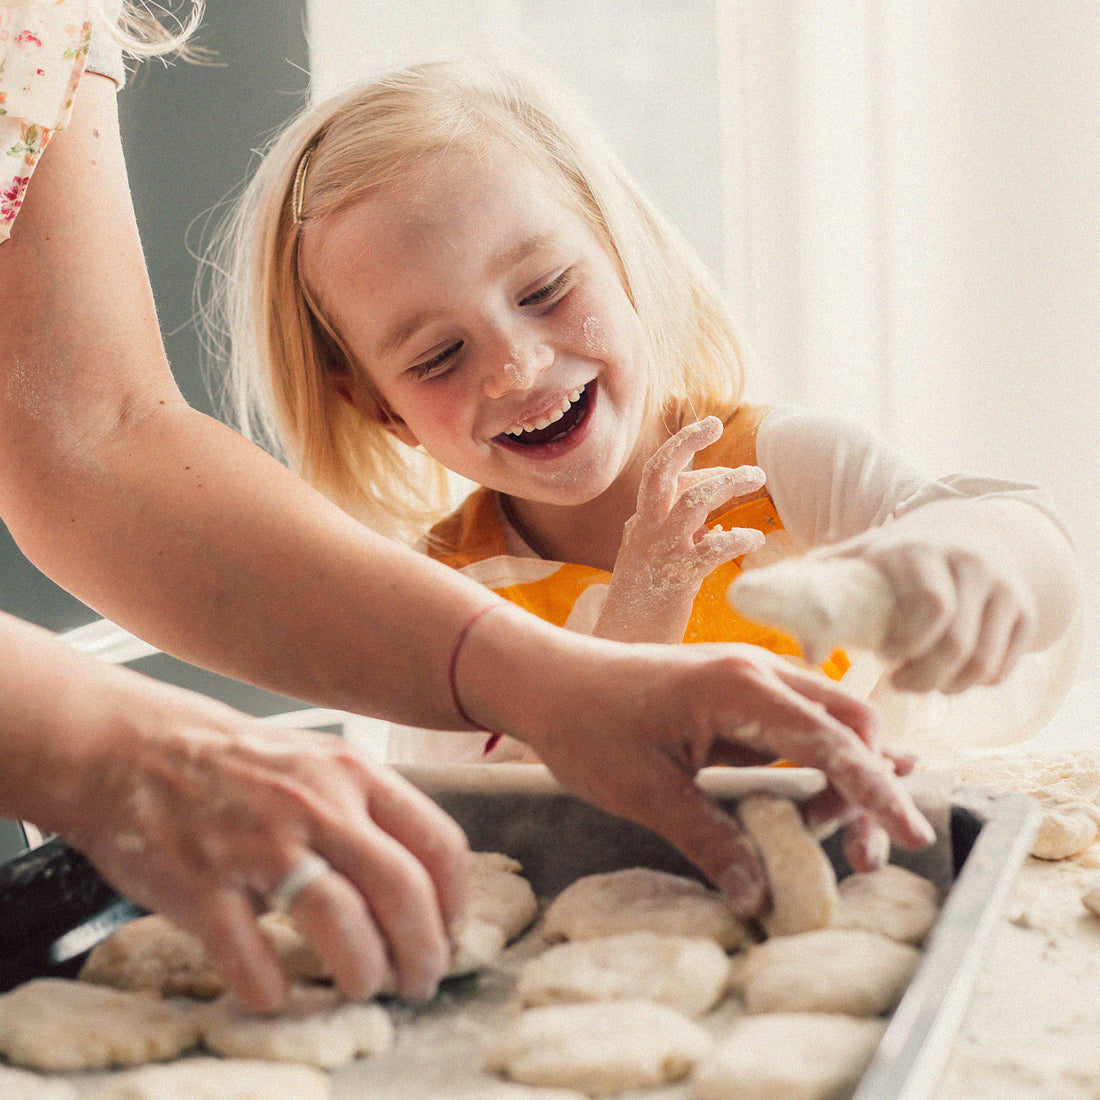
(43, 47)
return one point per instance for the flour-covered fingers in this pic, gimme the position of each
(865, 844)
(704, 490)
(716, 843)
(926, 602)
(717, 546)
(809, 735)
(1004, 632)
(660, 475)
(854, 714)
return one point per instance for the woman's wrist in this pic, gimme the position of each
(515, 674)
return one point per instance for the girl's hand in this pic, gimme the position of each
(202, 812)
(963, 610)
(666, 549)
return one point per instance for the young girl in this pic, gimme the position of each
(449, 260)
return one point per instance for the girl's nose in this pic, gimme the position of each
(518, 370)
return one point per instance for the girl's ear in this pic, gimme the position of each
(373, 408)
(393, 423)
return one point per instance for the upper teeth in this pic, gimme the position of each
(548, 418)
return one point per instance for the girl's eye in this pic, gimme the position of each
(545, 293)
(433, 367)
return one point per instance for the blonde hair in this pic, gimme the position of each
(142, 33)
(286, 359)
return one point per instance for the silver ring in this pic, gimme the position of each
(311, 868)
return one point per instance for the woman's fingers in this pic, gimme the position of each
(810, 721)
(432, 836)
(663, 796)
(400, 896)
(983, 627)
(224, 918)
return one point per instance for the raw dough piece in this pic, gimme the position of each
(688, 974)
(831, 970)
(316, 1027)
(600, 1049)
(801, 880)
(788, 1056)
(1065, 783)
(57, 1026)
(825, 603)
(153, 954)
(18, 1084)
(1069, 827)
(217, 1079)
(500, 905)
(891, 901)
(639, 899)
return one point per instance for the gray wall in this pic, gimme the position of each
(190, 132)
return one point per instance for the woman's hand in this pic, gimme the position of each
(666, 549)
(199, 813)
(631, 725)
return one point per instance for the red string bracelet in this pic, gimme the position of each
(454, 663)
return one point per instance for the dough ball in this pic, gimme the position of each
(18, 1084)
(217, 1079)
(788, 1056)
(316, 1027)
(1068, 827)
(153, 954)
(891, 901)
(600, 1049)
(829, 603)
(688, 974)
(639, 899)
(500, 905)
(59, 1026)
(801, 880)
(831, 970)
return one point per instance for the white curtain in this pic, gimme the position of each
(902, 200)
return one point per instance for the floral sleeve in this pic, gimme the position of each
(43, 47)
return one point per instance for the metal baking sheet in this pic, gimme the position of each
(981, 842)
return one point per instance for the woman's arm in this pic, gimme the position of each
(163, 519)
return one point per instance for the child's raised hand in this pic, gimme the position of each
(666, 549)
(964, 611)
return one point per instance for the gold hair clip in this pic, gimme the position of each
(298, 189)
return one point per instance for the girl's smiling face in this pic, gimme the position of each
(492, 324)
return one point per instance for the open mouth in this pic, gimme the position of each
(553, 426)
